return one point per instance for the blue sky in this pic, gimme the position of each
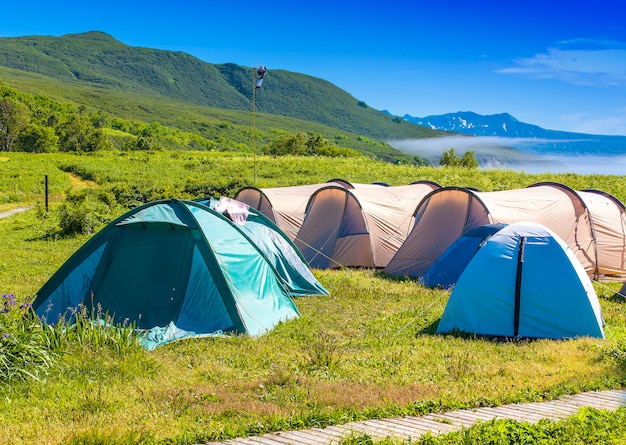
(560, 65)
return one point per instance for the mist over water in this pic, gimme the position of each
(519, 154)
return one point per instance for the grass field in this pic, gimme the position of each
(369, 350)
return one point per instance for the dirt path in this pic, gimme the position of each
(14, 211)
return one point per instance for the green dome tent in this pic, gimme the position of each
(176, 269)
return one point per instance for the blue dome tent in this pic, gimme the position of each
(448, 268)
(524, 282)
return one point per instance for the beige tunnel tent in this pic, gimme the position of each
(592, 223)
(284, 206)
(358, 227)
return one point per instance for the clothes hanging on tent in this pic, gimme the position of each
(237, 211)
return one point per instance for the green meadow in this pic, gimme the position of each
(369, 350)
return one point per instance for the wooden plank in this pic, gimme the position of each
(528, 414)
(506, 412)
(555, 410)
(617, 393)
(327, 432)
(390, 429)
(360, 427)
(535, 414)
(265, 440)
(340, 431)
(430, 424)
(616, 396)
(456, 421)
(250, 440)
(595, 402)
(470, 415)
(323, 437)
(413, 428)
(282, 438)
(448, 425)
(307, 439)
(403, 428)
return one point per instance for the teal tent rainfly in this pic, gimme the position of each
(175, 269)
(275, 244)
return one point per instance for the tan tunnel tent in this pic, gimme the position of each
(609, 224)
(592, 223)
(358, 227)
(284, 206)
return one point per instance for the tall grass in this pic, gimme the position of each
(92, 328)
(29, 348)
(23, 351)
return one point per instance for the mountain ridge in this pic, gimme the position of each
(98, 59)
(504, 125)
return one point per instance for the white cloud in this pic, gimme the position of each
(607, 125)
(579, 62)
(610, 125)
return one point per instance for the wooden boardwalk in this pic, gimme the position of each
(409, 427)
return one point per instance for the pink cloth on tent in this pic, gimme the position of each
(237, 211)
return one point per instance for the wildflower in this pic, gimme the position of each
(6, 335)
(9, 300)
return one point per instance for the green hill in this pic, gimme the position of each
(99, 62)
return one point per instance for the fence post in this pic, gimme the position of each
(46, 183)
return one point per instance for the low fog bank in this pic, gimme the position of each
(514, 154)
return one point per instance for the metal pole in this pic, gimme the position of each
(46, 192)
(254, 125)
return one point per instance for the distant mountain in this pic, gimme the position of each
(535, 139)
(99, 61)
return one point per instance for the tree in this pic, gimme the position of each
(468, 160)
(14, 118)
(79, 135)
(38, 139)
(450, 158)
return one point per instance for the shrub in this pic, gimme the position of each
(85, 210)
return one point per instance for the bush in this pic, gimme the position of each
(86, 210)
